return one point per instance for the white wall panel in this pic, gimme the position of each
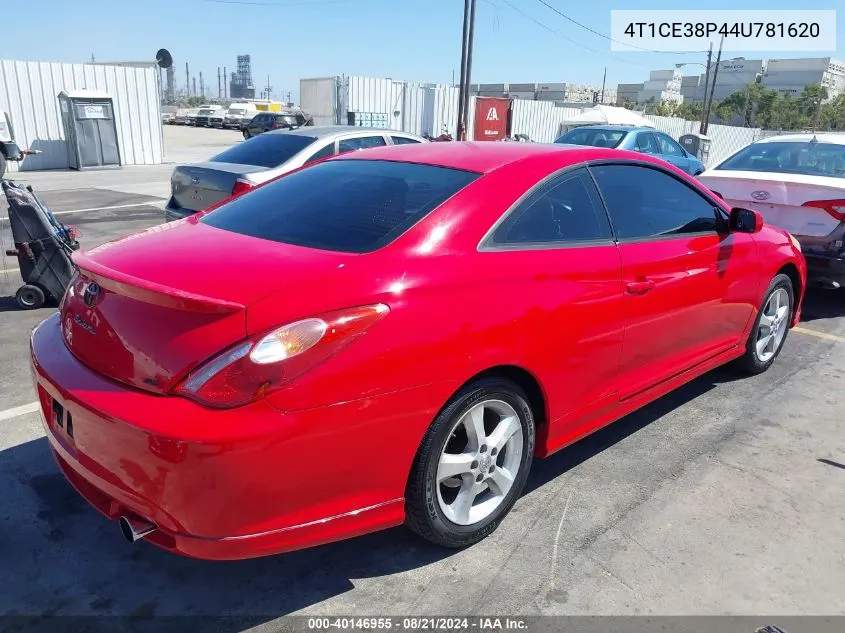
(29, 93)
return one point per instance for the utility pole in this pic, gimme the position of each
(225, 83)
(202, 87)
(219, 90)
(603, 81)
(706, 86)
(709, 105)
(187, 80)
(195, 86)
(463, 73)
(468, 78)
(269, 88)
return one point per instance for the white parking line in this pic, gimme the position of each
(14, 412)
(149, 203)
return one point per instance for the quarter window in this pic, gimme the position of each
(403, 140)
(645, 202)
(327, 151)
(362, 142)
(565, 210)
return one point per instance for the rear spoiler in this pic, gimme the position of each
(150, 291)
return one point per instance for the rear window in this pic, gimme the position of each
(353, 206)
(592, 137)
(266, 150)
(806, 158)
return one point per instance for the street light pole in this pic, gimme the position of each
(468, 78)
(463, 73)
(702, 126)
(706, 122)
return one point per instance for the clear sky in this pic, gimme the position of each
(416, 40)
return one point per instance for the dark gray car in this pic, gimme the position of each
(255, 161)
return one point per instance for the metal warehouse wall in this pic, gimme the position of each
(29, 94)
(318, 97)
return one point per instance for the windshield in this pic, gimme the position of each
(266, 150)
(790, 157)
(352, 206)
(237, 111)
(593, 137)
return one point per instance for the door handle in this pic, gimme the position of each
(639, 287)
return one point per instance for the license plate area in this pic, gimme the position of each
(62, 418)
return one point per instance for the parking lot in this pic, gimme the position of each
(724, 497)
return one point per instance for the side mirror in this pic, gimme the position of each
(745, 221)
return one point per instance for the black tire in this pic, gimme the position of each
(2, 166)
(30, 297)
(422, 508)
(751, 361)
(246, 135)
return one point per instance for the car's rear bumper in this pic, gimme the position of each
(228, 484)
(173, 211)
(825, 270)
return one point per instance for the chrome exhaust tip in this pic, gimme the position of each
(134, 530)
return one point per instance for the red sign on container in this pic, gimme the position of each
(491, 118)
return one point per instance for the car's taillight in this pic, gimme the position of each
(250, 369)
(241, 187)
(834, 208)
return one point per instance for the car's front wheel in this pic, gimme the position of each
(472, 464)
(771, 326)
(246, 134)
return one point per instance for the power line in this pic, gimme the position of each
(568, 39)
(607, 37)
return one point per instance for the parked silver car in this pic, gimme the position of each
(264, 157)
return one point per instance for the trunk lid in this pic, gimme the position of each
(781, 198)
(169, 298)
(197, 187)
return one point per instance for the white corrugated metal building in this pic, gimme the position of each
(29, 95)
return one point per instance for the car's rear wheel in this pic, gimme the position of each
(246, 134)
(771, 326)
(472, 464)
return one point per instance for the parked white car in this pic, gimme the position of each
(797, 182)
(239, 114)
(264, 157)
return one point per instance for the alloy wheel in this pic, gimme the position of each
(480, 462)
(773, 325)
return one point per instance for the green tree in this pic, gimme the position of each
(194, 102)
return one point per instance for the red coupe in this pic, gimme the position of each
(391, 336)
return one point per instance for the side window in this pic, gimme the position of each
(362, 142)
(403, 140)
(646, 143)
(327, 151)
(565, 210)
(645, 202)
(668, 146)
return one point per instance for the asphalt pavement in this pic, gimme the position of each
(724, 497)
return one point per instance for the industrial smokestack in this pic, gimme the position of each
(187, 80)
(202, 86)
(225, 84)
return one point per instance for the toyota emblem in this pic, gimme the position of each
(91, 294)
(761, 195)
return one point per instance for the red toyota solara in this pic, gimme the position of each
(391, 336)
